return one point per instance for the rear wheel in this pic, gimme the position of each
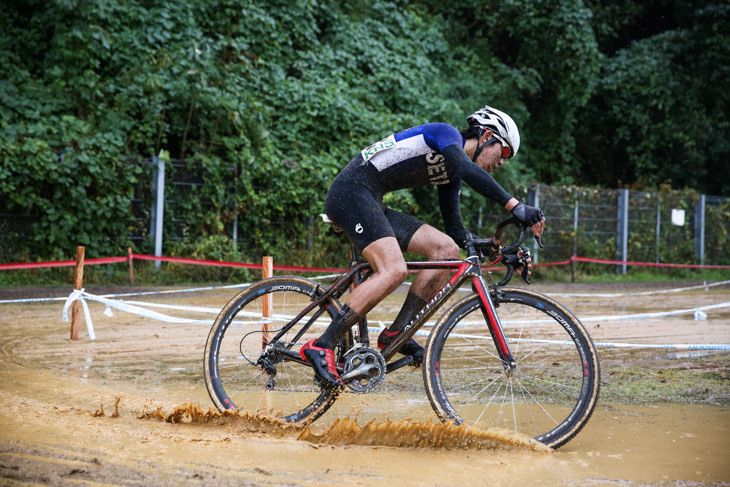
(549, 396)
(239, 375)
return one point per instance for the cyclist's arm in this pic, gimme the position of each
(451, 212)
(477, 178)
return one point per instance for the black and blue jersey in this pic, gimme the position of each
(430, 154)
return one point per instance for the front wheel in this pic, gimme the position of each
(239, 375)
(551, 393)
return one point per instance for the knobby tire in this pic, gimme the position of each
(549, 396)
(232, 376)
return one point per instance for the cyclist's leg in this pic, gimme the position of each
(353, 205)
(357, 208)
(419, 238)
(435, 245)
(389, 272)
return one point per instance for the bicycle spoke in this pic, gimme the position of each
(546, 395)
(547, 413)
(290, 390)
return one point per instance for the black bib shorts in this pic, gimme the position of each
(355, 203)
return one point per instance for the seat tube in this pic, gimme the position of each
(495, 326)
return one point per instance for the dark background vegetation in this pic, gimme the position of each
(273, 98)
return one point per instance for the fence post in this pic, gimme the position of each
(658, 223)
(131, 265)
(700, 229)
(268, 313)
(575, 237)
(533, 199)
(158, 206)
(78, 285)
(235, 229)
(622, 237)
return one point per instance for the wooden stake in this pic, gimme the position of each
(268, 304)
(572, 270)
(78, 284)
(268, 312)
(131, 265)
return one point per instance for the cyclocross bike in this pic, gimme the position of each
(501, 357)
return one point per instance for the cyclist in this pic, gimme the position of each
(436, 154)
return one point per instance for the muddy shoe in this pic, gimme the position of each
(322, 361)
(412, 347)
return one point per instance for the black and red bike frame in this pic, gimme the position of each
(465, 270)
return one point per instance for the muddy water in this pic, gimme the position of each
(130, 409)
(148, 441)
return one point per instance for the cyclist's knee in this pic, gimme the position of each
(395, 272)
(444, 248)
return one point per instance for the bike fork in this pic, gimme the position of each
(495, 326)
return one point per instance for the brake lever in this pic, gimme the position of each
(524, 273)
(523, 261)
(538, 239)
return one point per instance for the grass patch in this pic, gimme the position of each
(641, 384)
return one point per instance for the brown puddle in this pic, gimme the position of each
(347, 431)
(54, 432)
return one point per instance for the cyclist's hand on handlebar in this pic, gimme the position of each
(524, 259)
(520, 262)
(530, 215)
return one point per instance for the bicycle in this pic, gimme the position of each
(531, 368)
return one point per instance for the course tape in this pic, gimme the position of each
(136, 308)
(682, 346)
(81, 295)
(144, 293)
(180, 260)
(616, 295)
(647, 264)
(654, 315)
(62, 263)
(643, 293)
(76, 295)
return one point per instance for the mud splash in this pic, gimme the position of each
(99, 413)
(245, 421)
(347, 431)
(410, 434)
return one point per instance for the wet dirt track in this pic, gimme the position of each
(59, 424)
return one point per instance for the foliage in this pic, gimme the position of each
(659, 111)
(266, 101)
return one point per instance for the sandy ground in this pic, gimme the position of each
(130, 408)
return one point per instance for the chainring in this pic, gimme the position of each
(368, 368)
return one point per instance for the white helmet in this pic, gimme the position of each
(500, 123)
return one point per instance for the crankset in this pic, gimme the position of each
(364, 369)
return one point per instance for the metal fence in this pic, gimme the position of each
(659, 227)
(662, 227)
